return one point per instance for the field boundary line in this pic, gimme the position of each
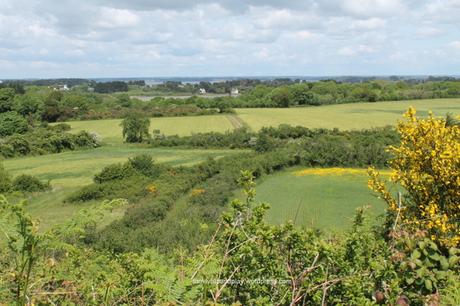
(237, 122)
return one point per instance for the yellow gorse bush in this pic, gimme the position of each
(427, 165)
(197, 192)
(152, 188)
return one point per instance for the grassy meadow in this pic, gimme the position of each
(320, 198)
(351, 116)
(69, 171)
(110, 129)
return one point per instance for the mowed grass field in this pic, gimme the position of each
(111, 132)
(351, 116)
(326, 199)
(71, 170)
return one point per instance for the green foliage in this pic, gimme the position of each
(6, 99)
(51, 110)
(22, 242)
(27, 105)
(110, 87)
(135, 128)
(5, 180)
(425, 267)
(315, 147)
(46, 140)
(114, 172)
(281, 97)
(29, 183)
(12, 123)
(145, 165)
(124, 100)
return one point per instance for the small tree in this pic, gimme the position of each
(135, 128)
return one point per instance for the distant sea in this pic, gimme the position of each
(195, 80)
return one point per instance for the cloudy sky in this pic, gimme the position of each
(121, 38)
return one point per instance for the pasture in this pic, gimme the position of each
(111, 132)
(351, 116)
(318, 198)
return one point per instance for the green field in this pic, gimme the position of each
(344, 116)
(110, 129)
(326, 201)
(71, 170)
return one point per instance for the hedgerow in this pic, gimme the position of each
(46, 140)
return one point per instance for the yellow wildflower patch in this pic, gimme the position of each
(335, 171)
(197, 192)
(152, 189)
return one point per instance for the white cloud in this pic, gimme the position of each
(368, 24)
(455, 44)
(356, 50)
(221, 37)
(369, 8)
(114, 18)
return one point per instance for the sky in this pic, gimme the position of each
(148, 38)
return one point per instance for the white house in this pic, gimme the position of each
(234, 92)
(202, 91)
(61, 87)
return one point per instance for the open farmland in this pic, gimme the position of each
(344, 116)
(320, 198)
(110, 129)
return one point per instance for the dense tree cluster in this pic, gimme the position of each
(110, 87)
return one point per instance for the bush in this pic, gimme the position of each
(427, 165)
(145, 165)
(12, 123)
(43, 140)
(114, 172)
(28, 183)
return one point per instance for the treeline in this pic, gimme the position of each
(331, 92)
(53, 105)
(110, 87)
(24, 129)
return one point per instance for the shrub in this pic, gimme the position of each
(43, 140)
(114, 172)
(145, 165)
(12, 123)
(427, 165)
(28, 183)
